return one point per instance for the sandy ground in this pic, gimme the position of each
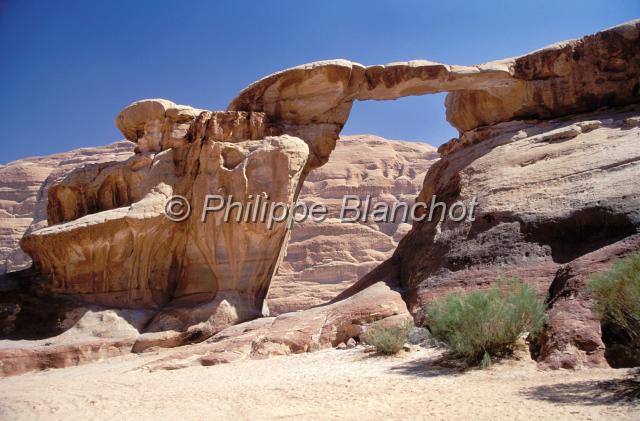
(330, 384)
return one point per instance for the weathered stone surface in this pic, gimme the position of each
(23, 194)
(111, 243)
(572, 337)
(323, 259)
(313, 101)
(158, 124)
(568, 77)
(88, 333)
(540, 205)
(11, 230)
(292, 333)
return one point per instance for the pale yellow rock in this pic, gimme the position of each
(159, 124)
(110, 211)
(322, 259)
(325, 258)
(23, 194)
(110, 242)
(313, 101)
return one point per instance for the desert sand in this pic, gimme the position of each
(330, 384)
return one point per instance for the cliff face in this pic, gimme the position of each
(551, 192)
(548, 192)
(23, 194)
(110, 242)
(101, 182)
(323, 259)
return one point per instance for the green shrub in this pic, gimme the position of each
(388, 339)
(617, 295)
(480, 324)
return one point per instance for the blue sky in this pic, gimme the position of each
(68, 67)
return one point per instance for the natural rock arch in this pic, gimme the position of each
(313, 101)
(110, 243)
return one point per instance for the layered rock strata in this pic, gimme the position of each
(549, 191)
(110, 243)
(293, 333)
(323, 259)
(573, 336)
(313, 101)
(24, 186)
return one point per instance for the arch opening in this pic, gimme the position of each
(413, 118)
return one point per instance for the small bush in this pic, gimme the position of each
(389, 339)
(617, 295)
(480, 324)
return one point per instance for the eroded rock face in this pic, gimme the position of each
(313, 101)
(23, 194)
(600, 70)
(323, 259)
(548, 193)
(293, 333)
(111, 244)
(555, 204)
(89, 334)
(572, 337)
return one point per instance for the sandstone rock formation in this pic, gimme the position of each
(549, 192)
(323, 259)
(573, 336)
(292, 333)
(111, 244)
(313, 101)
(89, 333)
(23, 193)
(549, 168)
